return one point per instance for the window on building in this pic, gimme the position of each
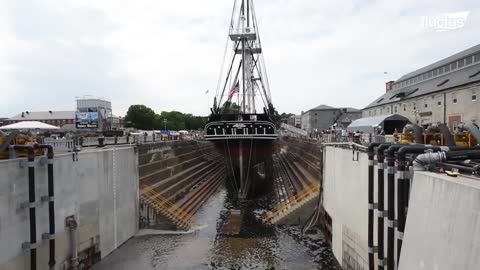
(404, 107)
(440, 71)
(414, 106)
(461, 63)
(388, 109)
(455, 100)
(469, 60)
(425, 103)
(477, 57)
(439, 103)
(474, 96)
(435, 72)
(447, 68)
(396, 109)
(429, 75)
(453, 66)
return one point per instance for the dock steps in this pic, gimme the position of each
(293, 203)
(175, 214)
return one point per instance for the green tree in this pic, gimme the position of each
(140, 117)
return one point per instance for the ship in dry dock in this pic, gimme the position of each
(240, 124)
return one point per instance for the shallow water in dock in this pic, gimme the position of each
(257, 247)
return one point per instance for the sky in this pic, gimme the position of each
(167, 54)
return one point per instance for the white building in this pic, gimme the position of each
(446, 91)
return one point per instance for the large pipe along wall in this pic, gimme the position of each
(400, 158)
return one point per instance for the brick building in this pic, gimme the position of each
(56, 118)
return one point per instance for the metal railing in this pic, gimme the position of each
(60, 145)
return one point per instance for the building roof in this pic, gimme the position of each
(47, 115)
(461, 77)
(442, 62)
(324, 107)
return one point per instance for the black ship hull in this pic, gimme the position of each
(247, 147)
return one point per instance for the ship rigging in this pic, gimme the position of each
(240, 124)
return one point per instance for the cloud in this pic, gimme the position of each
(166, 54)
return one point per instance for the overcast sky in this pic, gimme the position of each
(166, 54)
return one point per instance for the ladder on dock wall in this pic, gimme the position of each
(292, 203)
(178, 216)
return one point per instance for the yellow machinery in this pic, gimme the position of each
(461, 139)
(464, 139)
(17, 139)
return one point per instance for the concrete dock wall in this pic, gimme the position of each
(345, 199)
(443, 224)
(100, 190)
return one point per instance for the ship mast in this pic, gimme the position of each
(247, 55)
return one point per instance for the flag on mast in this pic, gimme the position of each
(234, 90)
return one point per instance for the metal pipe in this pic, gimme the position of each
(403, 187)
(51, 205)
(72, 224)
(472, 128)
(447, 135)
(381, 203)
(423, 161)
(31, 203)
(390, 155)
(371, 155)
(8, 139)
(464, 154)
(416, 130)
(458, 167)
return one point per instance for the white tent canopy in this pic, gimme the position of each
(388, 123)
(29, 125)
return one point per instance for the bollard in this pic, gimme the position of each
(101, 141)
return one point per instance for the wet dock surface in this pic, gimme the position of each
(257, 246)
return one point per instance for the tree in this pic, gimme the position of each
(140, 117)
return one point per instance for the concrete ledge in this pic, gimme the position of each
(443, 223)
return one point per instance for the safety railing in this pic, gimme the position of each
(295, 199)
(60, 145)
(177, 215)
